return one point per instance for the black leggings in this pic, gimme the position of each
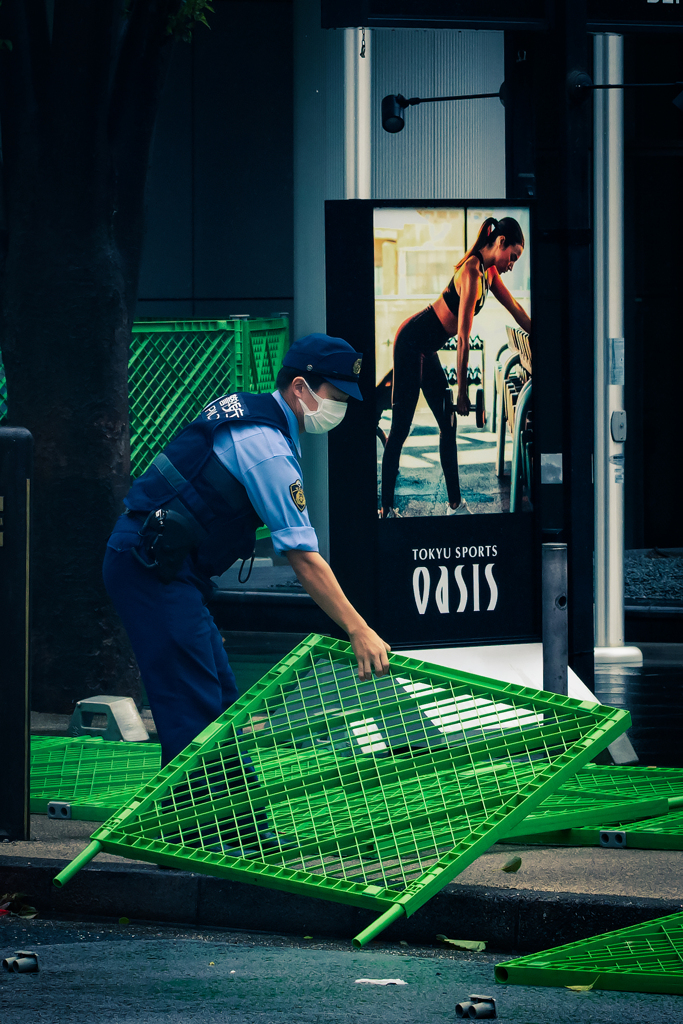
(417, 365)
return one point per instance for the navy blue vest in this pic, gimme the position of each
(189, 478)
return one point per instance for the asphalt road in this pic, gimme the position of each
(142, 974)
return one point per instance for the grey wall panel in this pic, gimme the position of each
(318, 175)
(166, 271)
(318, 155)
(446, 150)
(243, 152)
(219, 208)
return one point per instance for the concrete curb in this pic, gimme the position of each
(506, 919)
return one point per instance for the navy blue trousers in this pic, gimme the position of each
(179, 650)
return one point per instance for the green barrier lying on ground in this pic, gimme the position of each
(371, 793)
(643, 958)
(659, 832)
(97, 777)
(93, 776)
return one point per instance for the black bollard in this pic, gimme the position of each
(16, 458)
(554, 618)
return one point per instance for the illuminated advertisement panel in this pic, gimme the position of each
(450, 287)
(443, 455)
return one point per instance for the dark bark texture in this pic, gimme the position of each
(78, 101)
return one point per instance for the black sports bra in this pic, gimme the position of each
(451, 297)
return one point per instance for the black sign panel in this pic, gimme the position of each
(425, 534)
(494, 14)
(602, 15)
(457, 580)
(634, 15)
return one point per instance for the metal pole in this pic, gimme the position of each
(16, 458)
(610, 417)
(357, 112)
(83, 858)
(394, 913)
(554, 618)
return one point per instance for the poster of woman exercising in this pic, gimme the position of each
(453, 361)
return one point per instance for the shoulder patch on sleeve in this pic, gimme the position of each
(298, 497)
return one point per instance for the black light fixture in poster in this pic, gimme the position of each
(432, 525)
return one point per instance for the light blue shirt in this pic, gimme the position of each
(266, 463)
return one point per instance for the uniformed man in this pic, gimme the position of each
(195, 511)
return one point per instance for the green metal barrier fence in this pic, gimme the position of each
(176, 367)
(97, 777)
(659, 832)
(643, 958)
(663, 832)
(371, 793)
(94, 777)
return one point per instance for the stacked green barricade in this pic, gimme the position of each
(657, 832)
(373, 793)
(88, 778)
(177, 367)
(643, 958)
(96, 777)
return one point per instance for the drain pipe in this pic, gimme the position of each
(357, 112)
(610, 416)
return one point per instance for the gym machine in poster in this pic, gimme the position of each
(432, 489)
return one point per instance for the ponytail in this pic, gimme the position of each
(507, 228)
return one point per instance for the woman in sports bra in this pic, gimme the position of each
(498, 246)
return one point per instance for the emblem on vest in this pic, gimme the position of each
(227, 408)
(298, 497)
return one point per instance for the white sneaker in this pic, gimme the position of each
(463, 509)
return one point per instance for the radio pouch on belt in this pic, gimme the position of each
(167, 540)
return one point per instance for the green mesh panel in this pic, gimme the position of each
(629, 781)
(568, 809)
(95, 776)
(372, 793)
(176, 368)
(267, 347)
(663, 830)
(643, 958)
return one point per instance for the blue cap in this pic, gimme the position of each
(333, 358)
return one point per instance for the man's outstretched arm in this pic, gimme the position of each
(319, 581)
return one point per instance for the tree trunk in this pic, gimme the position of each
(65, 350)
(78, 107)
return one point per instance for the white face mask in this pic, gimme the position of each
(329, 414)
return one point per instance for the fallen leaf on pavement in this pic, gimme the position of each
(474, 945)
(581, 988)
(512, 865)
(12, 903)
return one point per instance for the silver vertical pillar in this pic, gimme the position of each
(357, 112)
(610, 418)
